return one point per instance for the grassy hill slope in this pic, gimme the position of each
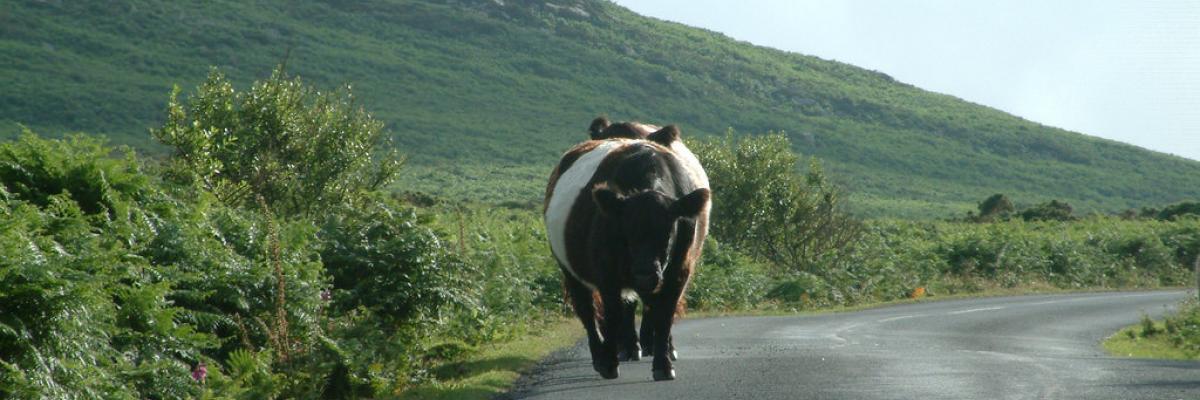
(483, 95)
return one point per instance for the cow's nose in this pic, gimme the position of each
(645, 283)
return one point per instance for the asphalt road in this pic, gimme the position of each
(1025, 347)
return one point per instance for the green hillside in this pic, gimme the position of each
(483, 95)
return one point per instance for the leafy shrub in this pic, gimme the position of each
(1149, 328)
(125, 301)
(727, 280)
(998, 206)
(894, 258)
(299, 149)
(517, 276)
(1183, 327)
(34, 170)
(1179, 210)
(383, 257)
(1053, 210)
(765, 207)
(86, 315)
(805, 290)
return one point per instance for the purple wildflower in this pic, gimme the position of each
(326, 295)
(200, 372)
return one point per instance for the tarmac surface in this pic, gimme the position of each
(1023, 347)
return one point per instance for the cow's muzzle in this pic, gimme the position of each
(647, 283)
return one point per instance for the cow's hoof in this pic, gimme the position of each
(664, 375)
(646, 352)
(607, 372)
(673, 355)
(629, 355)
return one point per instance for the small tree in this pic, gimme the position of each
(1053, 210)
(1179, 210)
(766, 207)
(998, 206)
(297, 148)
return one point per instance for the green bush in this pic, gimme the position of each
(998, 206)
(35, 170)
(86, 313)
(805, 290)
(764, 206)
(727, 280)
(517, 276)
(1183, 327)
(383, 257)
(316, 284)
(1179, 210)
(123, 292)
(298, 149)
(1053, 210)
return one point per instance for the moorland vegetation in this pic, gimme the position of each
(266, 257)
(482, 95)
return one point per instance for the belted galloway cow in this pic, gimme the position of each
(626, 216)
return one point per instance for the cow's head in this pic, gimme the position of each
(647, 223)
(596, 130)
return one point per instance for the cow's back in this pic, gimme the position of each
(569, 210)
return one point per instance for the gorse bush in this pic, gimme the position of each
(299, 149)
(381, 256)
(998, 206)
(1179, 210)
(763, 206)
(1052, 210)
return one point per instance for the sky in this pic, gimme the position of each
(1127, 70)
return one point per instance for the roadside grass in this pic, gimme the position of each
(1132, 342)
(495, 368)
(1174, 337)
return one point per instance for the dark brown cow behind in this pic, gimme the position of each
(602, 129)
(628, 216)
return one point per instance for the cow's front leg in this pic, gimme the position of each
(582, 302)
(630, 349)
(612, 329)
(646, 338)
(663, 312)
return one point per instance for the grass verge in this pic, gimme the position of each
(1132, 342)
(493, 369)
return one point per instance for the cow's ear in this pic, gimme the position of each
(665, 136)
(609, 202)
(691, 205)
(597, 127)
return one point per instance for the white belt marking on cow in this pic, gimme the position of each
(568, 188)
(694, 170)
